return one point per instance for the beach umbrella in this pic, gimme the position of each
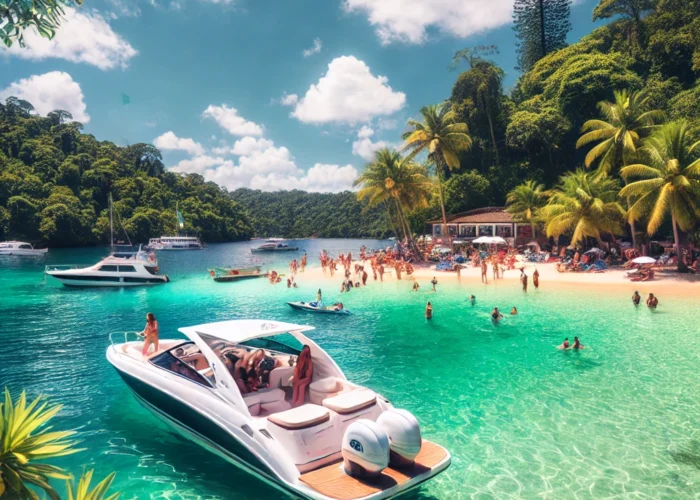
(497, 240)
(644, 260)
(482, 239)
(594, 250)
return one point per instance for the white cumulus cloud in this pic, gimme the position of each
(229, 120)
(289, 99)
(348, 93)
(314, 49)
(409, 20)
(364, 147)
(169, 141)
(83, 37)
(49, 92)
(262, 165)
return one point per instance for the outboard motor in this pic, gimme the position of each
(404, 436)
(365, 449)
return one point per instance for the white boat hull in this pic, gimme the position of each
(103, 284)
(24, 253)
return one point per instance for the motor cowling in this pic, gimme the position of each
(365, 449)
(403, 431)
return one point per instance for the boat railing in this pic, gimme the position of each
(60, 267)
(136, 336)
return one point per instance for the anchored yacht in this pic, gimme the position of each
(345, 441)
(20, 248)
(175, 243)
(274, 245)
(118, 270)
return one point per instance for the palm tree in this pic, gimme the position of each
(83, 491)
(525, 201)
(669, 181)
(625, 122)
(583, 205)
(443, 138)
(397, 182)
(24, 440)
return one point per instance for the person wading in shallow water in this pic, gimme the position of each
(536, 279)
(484, 278)
(636, 298)
(523, 279)
(429, 311)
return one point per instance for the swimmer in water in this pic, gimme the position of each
(564, 345)
(652, 301)
(636, 298)
(513, 311)
(429, 311)
(416, 286)
(434, 282)
(577, 344)
(496, 315)
(472, 300)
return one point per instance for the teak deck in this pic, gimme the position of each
(332, 481)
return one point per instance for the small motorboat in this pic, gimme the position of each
(21, 249)
(314, 307)
(274, 245)
(228, 274)
(345, 442)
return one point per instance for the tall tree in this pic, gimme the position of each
(394, 181)
(481, 89)
(442, 137)
(625, 122)
(525, 201)
(583, 205)
(630, 9)
(472, 55)
(667, 182)
(541, 27)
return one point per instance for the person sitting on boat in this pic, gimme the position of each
(235, 366)
(338, 306)
(319, 300)
(303, 372)
(265, 366)
(150, 334)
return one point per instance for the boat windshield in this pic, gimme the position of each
(283, 343)
(186, 360)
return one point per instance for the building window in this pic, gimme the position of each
(467, 231)
(452, 229)
(485, 230)
(437, 229)
(524, 231)
(504, 231)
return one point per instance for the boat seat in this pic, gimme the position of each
(269, 400)
(279, 377)
(327, 387)
(350, 402)
(301, 417)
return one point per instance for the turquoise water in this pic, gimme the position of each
(521, 419)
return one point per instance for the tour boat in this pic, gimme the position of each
(274, 245)
(21, 249)
(226, 274)
(117, 270)
(314, 307)
(175, 243)
(345, 441)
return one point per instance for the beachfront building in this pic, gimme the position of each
(489, 221)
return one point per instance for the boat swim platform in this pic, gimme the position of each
(332, 481)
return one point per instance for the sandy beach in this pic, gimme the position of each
(668, 282)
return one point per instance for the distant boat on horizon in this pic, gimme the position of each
(176, 242)
(274, 245)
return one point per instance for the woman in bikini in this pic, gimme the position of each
(150, 334)
(303, 373)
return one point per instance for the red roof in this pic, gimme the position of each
(488, 215)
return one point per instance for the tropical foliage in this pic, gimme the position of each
(541, 27)
(525, 201)
(44, 16)
(83, 492)
(55, 183)
(583, 206)
(25, 442)
(668, 182)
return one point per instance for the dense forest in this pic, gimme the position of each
(55, 183)
(531, 131)
(298, 214)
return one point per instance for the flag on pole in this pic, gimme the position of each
(180, 220)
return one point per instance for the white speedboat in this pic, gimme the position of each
(345, 442)
(175, 243)
(22, 249)
(274, 245)
(316, 308)
(118, 270)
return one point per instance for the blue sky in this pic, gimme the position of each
(270, 94)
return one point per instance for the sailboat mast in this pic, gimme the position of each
(111, 223)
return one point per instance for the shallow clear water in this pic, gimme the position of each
(521, 419)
